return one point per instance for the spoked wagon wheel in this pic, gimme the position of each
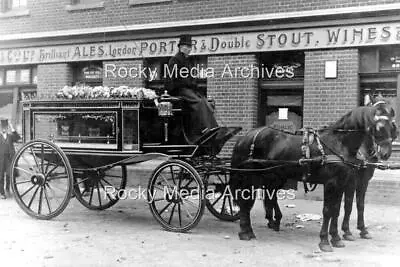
(41, 179)
(176, 196)
(219, 197)
(99, 189)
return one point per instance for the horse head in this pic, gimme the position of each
(383, 130)
(373, 124)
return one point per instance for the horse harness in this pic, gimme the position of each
(309, 137)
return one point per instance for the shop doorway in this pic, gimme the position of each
(16, 84)
(281, 90)
(380, 75)
(282, 109)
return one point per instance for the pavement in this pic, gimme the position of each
(127, 235)
(383, 188)
(387, 175)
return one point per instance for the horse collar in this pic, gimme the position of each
(254, 141)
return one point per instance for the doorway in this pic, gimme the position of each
(281, 90)
(282, 109)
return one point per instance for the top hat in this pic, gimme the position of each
(4, 123)
(185, 39)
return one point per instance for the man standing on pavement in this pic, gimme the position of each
(8, 137)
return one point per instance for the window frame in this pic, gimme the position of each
(7, 10)
(8, 5)
(32, 71)
(78, 77)
(145, 2)
(81, 5)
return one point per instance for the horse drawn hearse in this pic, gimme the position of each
(82, 149)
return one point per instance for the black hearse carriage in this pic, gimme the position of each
(83, 147)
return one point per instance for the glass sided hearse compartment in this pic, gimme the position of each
(84, 130)
(130, 132)
(151, 127)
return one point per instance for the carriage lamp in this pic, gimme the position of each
(165, 111)
(165, 106)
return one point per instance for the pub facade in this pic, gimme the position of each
(286, 65)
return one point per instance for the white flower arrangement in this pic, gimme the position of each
(105, 92)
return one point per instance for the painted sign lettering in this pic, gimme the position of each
(299, 39)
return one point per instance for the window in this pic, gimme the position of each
(78, 129)
(278, 66)
(154, 78)
(88, 73)
(18, 76)
(142, 2)
(6, 103)
(9, 5)
(389, 58)
(380, 74)
(84, 4)
(16, 84)
(157, 72)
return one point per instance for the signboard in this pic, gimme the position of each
(92, 73)
(264, 41)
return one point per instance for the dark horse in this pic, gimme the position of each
(370, 152)
(264, 147)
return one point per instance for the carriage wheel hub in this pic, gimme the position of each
(174, 198)
(95, 175)
(38, 179)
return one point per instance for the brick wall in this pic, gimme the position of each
(236, 97)
(46, 15)
(52, 77)
(122, 72)
(326, 100)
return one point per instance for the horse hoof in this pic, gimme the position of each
(365, 235)
(325, 247)
(252, 235)
(247, 236)
(274, 225)
(338, 243)
(349, 237)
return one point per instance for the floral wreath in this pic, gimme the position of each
(105, 92)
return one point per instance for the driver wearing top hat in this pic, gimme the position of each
(200, 113)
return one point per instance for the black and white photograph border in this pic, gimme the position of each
(199, 132)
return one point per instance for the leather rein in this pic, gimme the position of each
(324, 159)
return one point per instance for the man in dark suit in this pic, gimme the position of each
(8, 137)
(200, 113)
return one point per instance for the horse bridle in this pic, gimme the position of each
(377, 144)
